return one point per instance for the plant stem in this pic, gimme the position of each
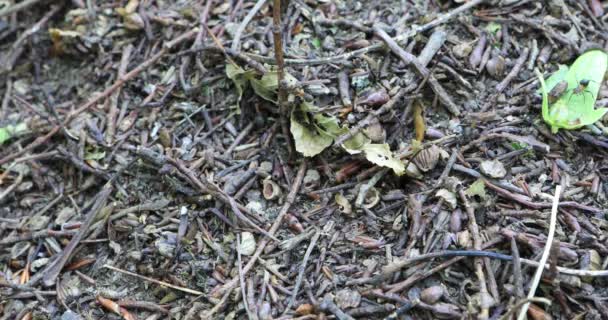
(278, 52)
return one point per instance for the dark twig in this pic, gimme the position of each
(119, 82)
(408, 58)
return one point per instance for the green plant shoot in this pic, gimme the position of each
(575, 107)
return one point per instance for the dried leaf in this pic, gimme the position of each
(313, 133)
(448, 197)
(344, 204)
(381, 155)
(419, 123)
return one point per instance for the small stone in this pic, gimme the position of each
(431, 295)
(38, 263)
(347, 298)
(493, 169)
(247, 245)
(70, 315)
(312, 178)
(266, 166)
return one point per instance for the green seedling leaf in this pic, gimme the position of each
(493, 27)
(478, 188)
(268, 85)
(355, 144)
(94, 155)
(556, 77)
(381, 155)
(10, 131)
(575, 108)
(313, 132)
(316, 42)
(239, 77)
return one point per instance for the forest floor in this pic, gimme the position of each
(152, 167)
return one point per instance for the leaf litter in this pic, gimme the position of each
(152, 165)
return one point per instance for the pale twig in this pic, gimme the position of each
(162, 283)
(17, 7)
(512, 310)
(545, 256)
(237, 35)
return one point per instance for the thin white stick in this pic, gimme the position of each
(237, 35)
(545, 256)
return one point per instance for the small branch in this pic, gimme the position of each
(519, 64)
(278, 52)
(162, 283)
(545, 256)
(87, 105)
(301, 270)
(113, 112)
(474, 228)
(237, 35)
(17, 7)
(370, 118)
(408, 58)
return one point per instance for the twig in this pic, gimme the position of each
(17, 7)
(113, 111)
(517, 277)
(119, 82)
(408, 58)
(474, 228)
(162, 283)
(521, 61)
(545, 256)
(328, 305)
(237, 35)
(52, 270)
(277, 36)
(12, 187)
(301, 270)
(230, 285)
(241, 276)
(433, 45)
(375, 47)
(370, 118)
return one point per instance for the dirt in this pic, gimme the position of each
(152, 166)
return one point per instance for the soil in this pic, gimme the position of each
(154, 165)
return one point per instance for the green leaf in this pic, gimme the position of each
(381, 155)
(312, 133)
(493, 27)
(575, 108)
(267, 86)
(355, 144)
(94, 155)
(11, 131)
(239, 77)
(478, 188)
(316, 42)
